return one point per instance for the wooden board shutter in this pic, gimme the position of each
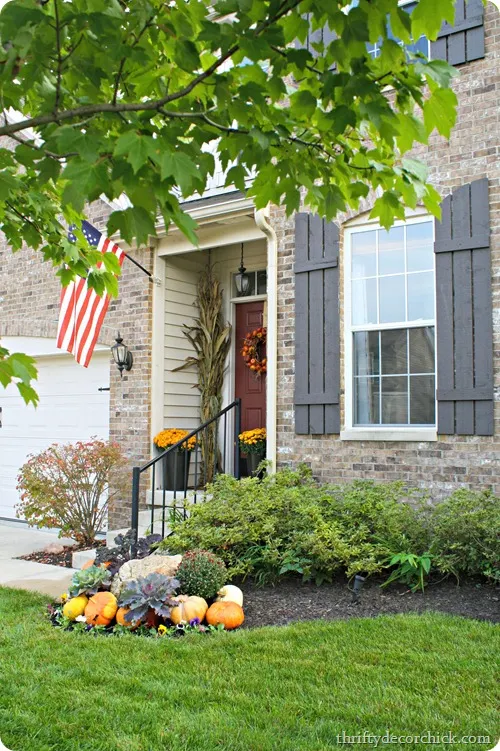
(464, 41)
(464, 313)
(317, 335)
(324, 35)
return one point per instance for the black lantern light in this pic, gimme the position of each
(121, 355)
(241, 279)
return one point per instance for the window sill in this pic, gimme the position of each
(389, 434)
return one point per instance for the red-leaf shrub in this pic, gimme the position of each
(68, 487)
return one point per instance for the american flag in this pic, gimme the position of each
(82, 310)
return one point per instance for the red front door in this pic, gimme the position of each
(250, 388)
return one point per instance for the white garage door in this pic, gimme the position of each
(70, 409)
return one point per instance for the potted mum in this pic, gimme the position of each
(253, 444)
(176, 463)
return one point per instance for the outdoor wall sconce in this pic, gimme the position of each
(121, 355)
(241, 279)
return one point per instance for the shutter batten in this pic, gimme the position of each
(464, 41)
(317, 336)
(464, 313)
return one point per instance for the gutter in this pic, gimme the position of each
(262, 222)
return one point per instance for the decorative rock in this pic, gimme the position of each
(54, 548)
(136, 568)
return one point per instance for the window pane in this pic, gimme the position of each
(395, 400)
(422, 350)
(421, 45)
(419, 247)
(366, 357)
(366, 401)
(364, 301)
(394, 352)
(364, 259)
(422, 400)
(421, 296)
(391, 254)
(392, 299)
(261, 282)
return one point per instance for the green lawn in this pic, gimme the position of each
(270, 689)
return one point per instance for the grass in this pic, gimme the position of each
(270, 689)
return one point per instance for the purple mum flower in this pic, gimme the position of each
(194, 622)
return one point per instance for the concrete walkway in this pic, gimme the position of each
(18, 539)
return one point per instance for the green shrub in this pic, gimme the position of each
(201, 573)
(465, 532)
(287, 522)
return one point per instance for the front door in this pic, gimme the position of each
(251, 389)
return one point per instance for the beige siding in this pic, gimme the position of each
(181, 401)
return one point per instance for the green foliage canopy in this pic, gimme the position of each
(114, 97)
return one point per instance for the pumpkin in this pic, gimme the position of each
(122, 621)
(229, 614)
(101, 609)
(230, 593)
(75, 607)
(187, 609)
(88, 564)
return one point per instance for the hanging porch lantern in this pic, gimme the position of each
(242, 279)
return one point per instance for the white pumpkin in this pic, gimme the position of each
(230, 593)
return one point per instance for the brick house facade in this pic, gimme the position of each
(29, 294)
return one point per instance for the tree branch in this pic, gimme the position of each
(59, 59)
(151, 106)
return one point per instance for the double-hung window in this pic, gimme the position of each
(390, 326)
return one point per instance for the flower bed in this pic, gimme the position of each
(152, 595)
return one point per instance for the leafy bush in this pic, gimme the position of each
(287, 522)
(152, 592)
(89, 581)
(410, 569)
(68, 487)
(465, 534)
(201, 573)
(122, 551)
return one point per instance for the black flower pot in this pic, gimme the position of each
(254, 458)
(176, 470)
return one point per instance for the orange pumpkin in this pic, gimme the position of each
(188, 609)
(122, 621)
(88, 564)
(230, 614)
(101, 609)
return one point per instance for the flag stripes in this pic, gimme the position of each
(82, 311)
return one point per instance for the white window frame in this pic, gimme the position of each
(375, 433)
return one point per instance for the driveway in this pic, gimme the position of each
(18, 539)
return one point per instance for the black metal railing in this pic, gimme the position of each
(188, 471)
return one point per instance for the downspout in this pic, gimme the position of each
(262, 222)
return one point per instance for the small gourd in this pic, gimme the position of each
(187, 609)
(101, 609)
(75, 607)
(230, 593)
(229, 614)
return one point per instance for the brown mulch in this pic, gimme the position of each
(290, 601)
(63, 559)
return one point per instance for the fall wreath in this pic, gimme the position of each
(252, 350)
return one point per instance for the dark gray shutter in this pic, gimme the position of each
(324, 35)
(464, 41)
(464, 313)
(317, 335)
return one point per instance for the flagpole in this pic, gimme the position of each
(139, 266)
